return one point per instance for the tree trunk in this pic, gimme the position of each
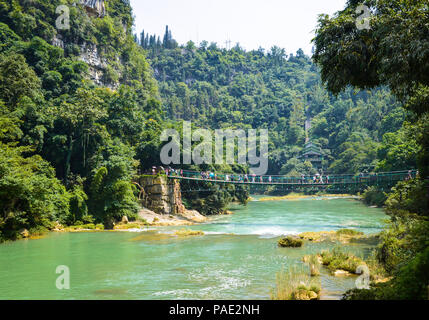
(68, 159)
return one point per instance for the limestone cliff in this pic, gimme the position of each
(102, 51)
(95, 7)
(163, 196)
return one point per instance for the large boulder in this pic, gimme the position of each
(341, 273)
(194, 216)
(313, 295)
(303, 294)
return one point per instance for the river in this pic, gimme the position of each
(237, 258)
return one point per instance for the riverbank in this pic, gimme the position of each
(146, 218)
(188, 217)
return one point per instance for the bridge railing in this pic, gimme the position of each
(363, 178)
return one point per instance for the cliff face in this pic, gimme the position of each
(100, 35)
(162, 195)
(94, 7)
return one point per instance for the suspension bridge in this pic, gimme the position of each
(193, 181)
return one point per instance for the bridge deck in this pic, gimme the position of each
(327, 180)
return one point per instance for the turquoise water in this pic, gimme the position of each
(275, 218)
(237, 258)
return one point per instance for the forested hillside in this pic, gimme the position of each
(68, 146)
(218, 88)
(80, 117)
(82, 109)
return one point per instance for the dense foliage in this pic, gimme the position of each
(73, 139)
(68, 146)
(393, 52)
(218, 88)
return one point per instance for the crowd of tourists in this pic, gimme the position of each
(251, 178)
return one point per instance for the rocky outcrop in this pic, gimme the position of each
(94, 7)
(97, 65)
(89, 55)
(163, 196)
(124, 220)
(57, 41)
(304, 294)
(341, 273)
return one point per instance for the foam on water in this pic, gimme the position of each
(272, 232)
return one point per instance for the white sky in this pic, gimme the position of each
(288, 24)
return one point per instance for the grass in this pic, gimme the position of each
(338, 259)
(316, 236)
(289, 241)
(342, 235)
(295, 284)
(349, 232)
(314, 264)
(89, 226)
(130, 225)
(188, 233)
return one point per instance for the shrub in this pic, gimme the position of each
(295, 285)
(337, 259)
(409, 283)
(289, 241)
(30, 194)
(87, 219)
(135, 225)
(349, 232)
(88, 226)
(373, 197)
(38, 231)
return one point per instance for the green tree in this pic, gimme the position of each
(111, 190)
